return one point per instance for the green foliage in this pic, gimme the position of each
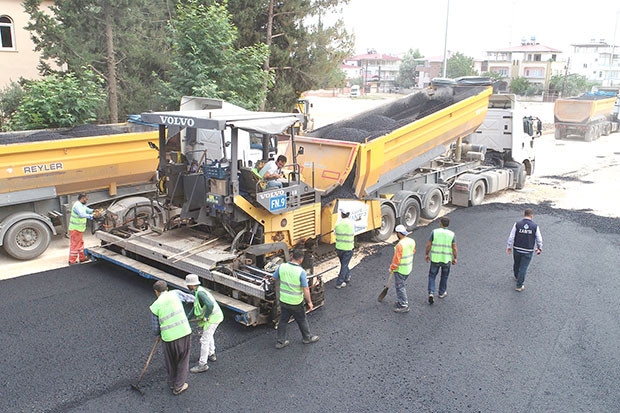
(407, 73)
(59, 101)
(10, 99)
(304, 52)
(523, 87)
(73, 36)
(571, 85)
(460, 65)
(207, 63)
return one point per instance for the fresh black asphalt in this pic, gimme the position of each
(75, 339)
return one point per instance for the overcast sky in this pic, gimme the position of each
(474, 26)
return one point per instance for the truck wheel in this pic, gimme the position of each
(432, 204)
(477, 193)
(559, 134)
(409, 213)
(388, 222)
(588, 135)
(27, 239)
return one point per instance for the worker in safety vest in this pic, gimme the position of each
(293, 290)
(170, 321)
(345, 241)
(209, 315)
(402, 264)
(441, 252)
(77, 225)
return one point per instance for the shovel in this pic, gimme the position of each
(385, 290)
(137, 385)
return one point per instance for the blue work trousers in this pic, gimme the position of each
(432, 274)
(345, 258)
(521, 260)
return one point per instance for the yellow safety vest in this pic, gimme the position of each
(173, 323)
(406, 260)
(291, 291)
(441, 247)
(76, 222)
(216, 315)
(345, 235)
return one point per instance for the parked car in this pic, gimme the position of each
(355, 91)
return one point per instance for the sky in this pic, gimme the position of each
(474, 26)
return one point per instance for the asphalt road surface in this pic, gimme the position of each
(75, 339)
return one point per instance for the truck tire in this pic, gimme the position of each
(588, 135)
(432, 204)
(27, 239)
(478, 191)
(388, 222)
(409, 213)
(559, 134)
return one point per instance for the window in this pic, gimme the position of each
(6, 34)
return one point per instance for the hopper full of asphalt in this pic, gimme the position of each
(73, 340)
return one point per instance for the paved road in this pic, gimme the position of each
(74, 339)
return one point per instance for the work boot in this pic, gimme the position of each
(199, 368)
(311, 339)
(212, 357)
(180, 390)
(282, 345)
(399, 309)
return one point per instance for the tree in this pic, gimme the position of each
(59, 101)
(10, 99)
(460, 65)
(570, 85)
(523, 87)
(304, 52)
(123, 41)
(206, 62)
(407, 73)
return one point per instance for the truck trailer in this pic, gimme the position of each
(588, 116)
(42, 172)
(385, 166)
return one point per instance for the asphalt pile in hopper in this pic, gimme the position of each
(385, 119)
(59, 134)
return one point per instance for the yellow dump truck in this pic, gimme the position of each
(42, 172)
(385, 166)
(588, 116)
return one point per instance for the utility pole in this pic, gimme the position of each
(565, 76)
(445, 42)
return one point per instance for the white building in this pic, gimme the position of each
(597, 61)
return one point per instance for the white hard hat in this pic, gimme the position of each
(192, 279)
(401, 229)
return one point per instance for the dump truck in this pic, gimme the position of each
(43, 171)
(385, 166)
(588, 116)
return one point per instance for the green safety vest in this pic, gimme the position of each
(173, 323)
(406, 260)
(441, 248)
(76, 222)
(291, 291)
(345, 235)
(216, 315)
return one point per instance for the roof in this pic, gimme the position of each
(374, 56)
(527, 48)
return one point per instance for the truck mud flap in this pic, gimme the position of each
(246, 314)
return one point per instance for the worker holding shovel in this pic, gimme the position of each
(401, 266)
(209, 315)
